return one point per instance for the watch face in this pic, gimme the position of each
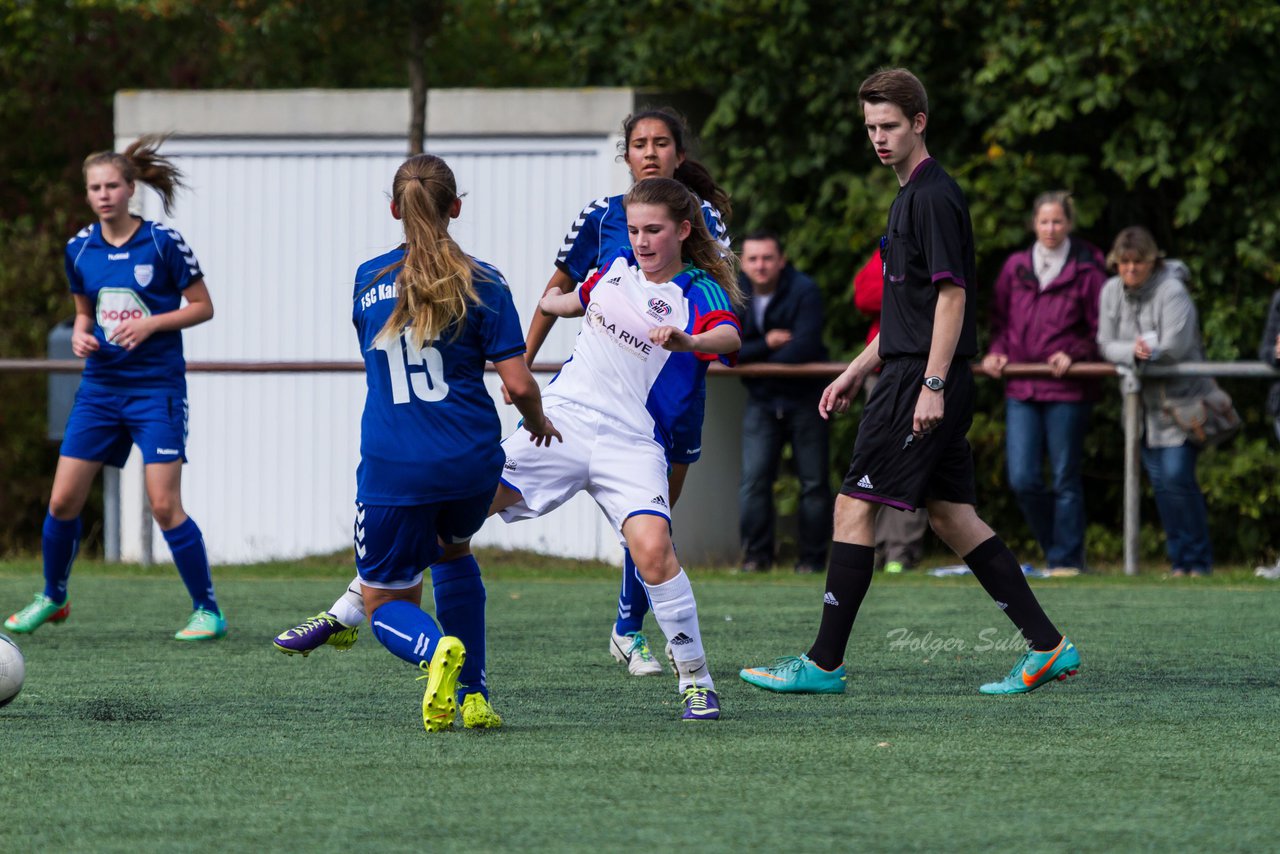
(934, 383)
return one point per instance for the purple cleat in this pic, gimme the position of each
(317, 631)
(701, 704)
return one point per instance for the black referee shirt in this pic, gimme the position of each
(930, 240)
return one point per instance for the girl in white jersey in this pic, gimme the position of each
(656, 316)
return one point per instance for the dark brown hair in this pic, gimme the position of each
(691, 173)
(896, 86)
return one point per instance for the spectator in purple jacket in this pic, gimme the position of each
(1045, 309)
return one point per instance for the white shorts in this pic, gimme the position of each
(625, 472)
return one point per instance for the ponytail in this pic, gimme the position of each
(141, 161)
(435, 285)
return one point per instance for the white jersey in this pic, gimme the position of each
(617, 370)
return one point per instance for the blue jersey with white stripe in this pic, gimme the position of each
(600, 232)
(144, 276)
(430, 431)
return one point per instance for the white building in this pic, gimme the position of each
(289, 193)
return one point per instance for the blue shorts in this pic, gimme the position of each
(395, 544)
(686, 435)
(104, 425)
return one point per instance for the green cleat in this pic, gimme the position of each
(439, 705)
(203, 626)
(41, 610)
(796, 675)
(478, 714)
(1037, 668)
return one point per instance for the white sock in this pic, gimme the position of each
(349, 609)
(677, 614)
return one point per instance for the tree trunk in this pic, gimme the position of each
(417, 58)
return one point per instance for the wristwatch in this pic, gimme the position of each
(935, 383)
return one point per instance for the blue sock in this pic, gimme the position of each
(59, 543)
(406, 630)
(460, 600)
(187, 544)
(633, 600)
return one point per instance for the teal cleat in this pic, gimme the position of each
(41, 610)
(796, 675)
(1037, 668)
(203, 626)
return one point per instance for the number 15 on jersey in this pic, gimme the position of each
(415, 371)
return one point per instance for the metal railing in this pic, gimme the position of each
(1130, 388)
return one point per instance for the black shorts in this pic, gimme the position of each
(890, 465)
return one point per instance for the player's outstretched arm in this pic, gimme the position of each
(561, 305)
(540, 325)
(527, 397)
(720, 339)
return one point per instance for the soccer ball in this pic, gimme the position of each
(12, 670)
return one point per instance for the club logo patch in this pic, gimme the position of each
(143, 273)
(658, 309)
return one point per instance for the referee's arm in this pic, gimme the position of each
(948, 317)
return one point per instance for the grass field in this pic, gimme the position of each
(124, 740)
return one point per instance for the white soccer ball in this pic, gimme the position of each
(13, 669)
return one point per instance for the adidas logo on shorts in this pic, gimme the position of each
(865, 483)
(830, 599)
(509, 465)
(659, 500)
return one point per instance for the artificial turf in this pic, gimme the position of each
(124, 740)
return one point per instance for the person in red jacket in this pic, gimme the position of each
(899, 535)
(1045, 309)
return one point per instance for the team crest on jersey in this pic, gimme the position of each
(143, 274)
(658, 309)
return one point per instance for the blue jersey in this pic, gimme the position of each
(430, 431)
(143, 277)
(600, 233)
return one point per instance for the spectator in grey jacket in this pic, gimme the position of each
(1146, 317)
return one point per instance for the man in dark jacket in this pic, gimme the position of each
(781, 324)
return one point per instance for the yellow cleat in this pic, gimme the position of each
(439, 706)
(478, 714)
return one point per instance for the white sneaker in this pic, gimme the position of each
(633, 650)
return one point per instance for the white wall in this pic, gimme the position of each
(281, 217)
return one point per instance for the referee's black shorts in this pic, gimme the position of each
(890, 465)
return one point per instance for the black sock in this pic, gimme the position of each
(848, 577)
(999, 573)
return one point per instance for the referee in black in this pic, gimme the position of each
(911, 448)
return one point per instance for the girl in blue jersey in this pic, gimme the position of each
(653, 146)
(129, 278)
(657, 314)
(429, 317)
